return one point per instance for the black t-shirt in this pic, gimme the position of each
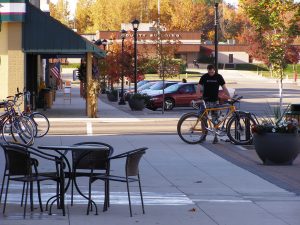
(211, 86)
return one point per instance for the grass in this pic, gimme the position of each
(264, 71)
(71, 65)
(251, 67)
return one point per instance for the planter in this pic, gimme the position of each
(112, 97)
(136, 104)
(277, 148)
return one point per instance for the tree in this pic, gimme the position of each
(232, 22)
(60, 11)
(186, 15)
(116, 62)
(83, 16)
(276, 25)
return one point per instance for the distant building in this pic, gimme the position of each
(190, 47)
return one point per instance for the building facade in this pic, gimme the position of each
(190, 47)
(29, 39)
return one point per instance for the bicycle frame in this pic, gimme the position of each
(230, 110)
(4, 118)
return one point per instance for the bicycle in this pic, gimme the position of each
(15, 128)
(39, 120)
(194, 128)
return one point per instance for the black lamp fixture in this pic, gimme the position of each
(100, 42)
(104, 43)
(135, 25)
(122, 100)
(216, 33)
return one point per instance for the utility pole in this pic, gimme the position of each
(159, 51)
(216, 34)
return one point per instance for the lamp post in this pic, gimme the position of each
(122, 100)
(135, 24)
(216, 34)
(103, 42)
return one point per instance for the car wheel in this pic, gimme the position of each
(169, 104)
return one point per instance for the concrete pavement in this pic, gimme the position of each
(182, 184)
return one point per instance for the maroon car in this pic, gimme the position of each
(178, 95)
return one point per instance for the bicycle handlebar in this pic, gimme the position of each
(234, 99)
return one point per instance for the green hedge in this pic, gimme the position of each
(251, 67)
(71, 65)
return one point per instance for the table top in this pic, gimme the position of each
(73, 147)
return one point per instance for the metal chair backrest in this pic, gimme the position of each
(92, 159)
(18, 160)
(132, 162)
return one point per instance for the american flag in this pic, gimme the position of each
(55, 70)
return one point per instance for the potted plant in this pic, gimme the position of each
(112, 95)
(276, 142)
(137, 101)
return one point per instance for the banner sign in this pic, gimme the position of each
(12, 10)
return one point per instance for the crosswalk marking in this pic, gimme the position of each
(89, 129)
(116, 198)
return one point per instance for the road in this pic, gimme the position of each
(113, 127)
(259, 93)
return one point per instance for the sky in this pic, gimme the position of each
(72, 4)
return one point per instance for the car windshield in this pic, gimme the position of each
(141, 83)
(172, 88)
(145, 86)
(157, 86)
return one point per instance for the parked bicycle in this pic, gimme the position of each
(194, 128)
(39, 120)
(14, 127)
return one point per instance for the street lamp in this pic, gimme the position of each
(135, 24)
(100, 42)
(216, 34)
(122, 100)
(103, 42)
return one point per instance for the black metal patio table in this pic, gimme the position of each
(63, 188)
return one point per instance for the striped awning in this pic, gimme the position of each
(12, 10)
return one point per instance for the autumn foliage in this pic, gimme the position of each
(117, 63)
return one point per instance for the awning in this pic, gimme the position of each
(42, 34)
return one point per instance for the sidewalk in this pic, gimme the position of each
(182, 184)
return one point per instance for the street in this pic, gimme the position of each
(68, 119)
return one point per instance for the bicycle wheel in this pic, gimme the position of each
(19, 130)
(7, 131)
(191, 129)
(41, 124)
(23, 130)
(238, 128)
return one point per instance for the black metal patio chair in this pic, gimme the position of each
(90, 162)
(22, 167)
(131, 175)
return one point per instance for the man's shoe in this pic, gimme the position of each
(215, 141)
(202, 140)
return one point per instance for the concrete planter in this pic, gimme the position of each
(136, 104)
(277, 148)
(112, 97)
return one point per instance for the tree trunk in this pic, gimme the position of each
(280, 92)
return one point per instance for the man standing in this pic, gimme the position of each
(209, 85)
